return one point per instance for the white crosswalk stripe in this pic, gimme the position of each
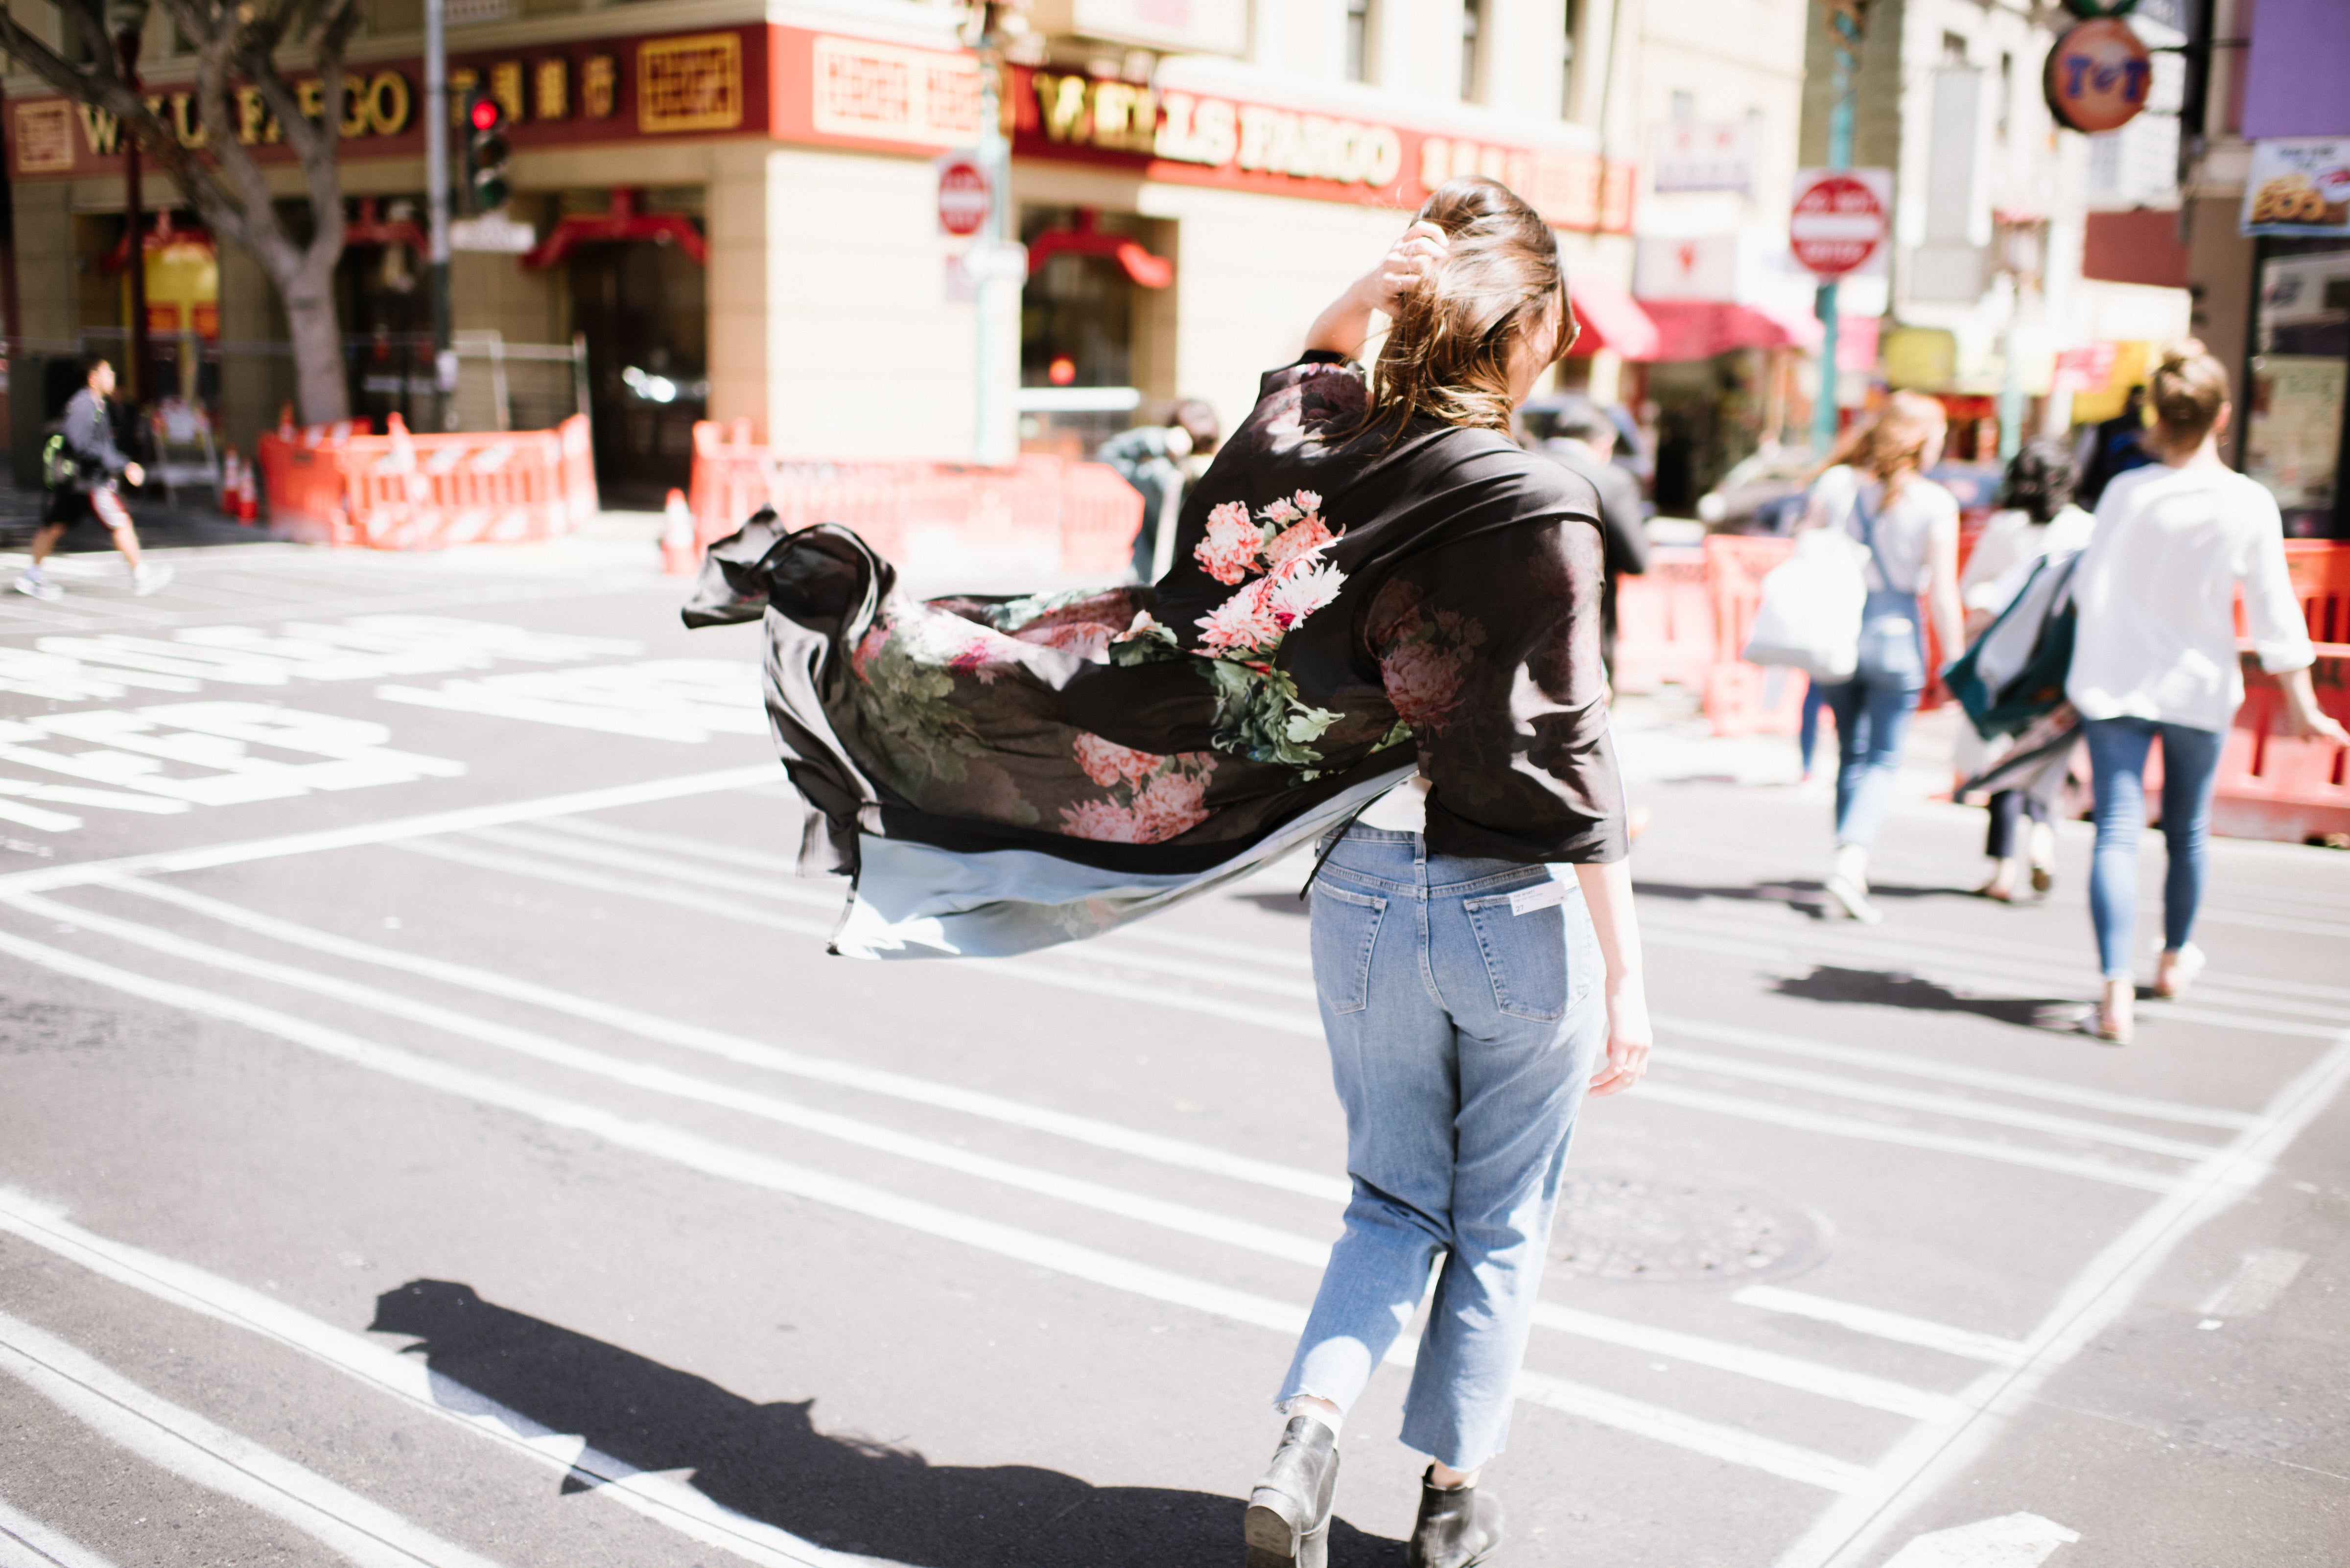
(354, 1528)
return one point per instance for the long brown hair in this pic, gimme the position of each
(1447, 352)
(1891, 445)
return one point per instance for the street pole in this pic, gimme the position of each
(1844, 25)
(991, 444)
(436, 200)
(134, 369)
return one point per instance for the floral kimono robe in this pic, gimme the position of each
(1000, 775)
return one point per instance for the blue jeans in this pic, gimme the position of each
(2190, 763)
(1461, 1035)
(1872, 721)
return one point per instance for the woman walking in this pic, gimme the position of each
(1909, 528)
(2037, 519)
(2154, 654)
(1466, 992)
(1378, 601)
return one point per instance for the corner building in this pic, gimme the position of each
(736, 206)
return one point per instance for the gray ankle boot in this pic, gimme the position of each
(1459, 1527)
(1288, 1523)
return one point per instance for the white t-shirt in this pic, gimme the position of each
(2156, 591)
(1904, 559)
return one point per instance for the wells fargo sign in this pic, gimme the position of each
(795, 84)
(848, 91)
(595, 90)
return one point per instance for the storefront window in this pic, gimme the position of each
(2301, 363)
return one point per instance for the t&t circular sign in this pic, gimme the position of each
(2097, 75)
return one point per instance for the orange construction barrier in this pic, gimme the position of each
(1742, 699)
(2273, 785)
(403, 492)
(1664, 622)
(1081, 516)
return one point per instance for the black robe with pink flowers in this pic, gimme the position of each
(997, 775)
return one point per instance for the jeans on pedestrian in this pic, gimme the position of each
(1807, 732)
(2190, 763)
(1464, 1024)
(2008, 808)
(1871, 720)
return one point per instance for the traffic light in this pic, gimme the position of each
(486, 151)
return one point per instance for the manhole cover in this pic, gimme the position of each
(1613, 1226)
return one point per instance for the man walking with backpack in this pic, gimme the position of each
(82, 465)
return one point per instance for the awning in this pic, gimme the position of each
(1610, 320)
(1701, 328)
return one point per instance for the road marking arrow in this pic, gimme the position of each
(2010, 1540)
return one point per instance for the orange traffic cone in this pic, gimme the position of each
(678, 551)
(248, 493)
(228, 486)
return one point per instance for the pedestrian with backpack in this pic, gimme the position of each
(2037, 522)
(1908, 528)
(82, 468)
(2154, 654)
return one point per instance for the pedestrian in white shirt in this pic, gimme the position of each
(2154, 654)
(2037, 519)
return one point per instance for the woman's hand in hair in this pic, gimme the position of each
(1410, 262)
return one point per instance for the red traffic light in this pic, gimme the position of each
(485, 114)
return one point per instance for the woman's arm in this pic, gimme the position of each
(2303, 716)
(1942, 587)
(1346, 322)
(1607, 894)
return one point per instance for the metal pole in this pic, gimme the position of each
(436, 200)
(994, 440)
(134, 370)
(1840, 117)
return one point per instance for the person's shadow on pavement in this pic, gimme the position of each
(769, 1462)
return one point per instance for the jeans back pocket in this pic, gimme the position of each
(1525, 956)
(1346, 925)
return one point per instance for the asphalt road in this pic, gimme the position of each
(431, 1133)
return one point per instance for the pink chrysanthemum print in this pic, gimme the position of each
(1423, 683)
(1103, 821)
(1106, 762)
(1229, 552)
(1300, 539)
(1243, 623)
(1175, 803)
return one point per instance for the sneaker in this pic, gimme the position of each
(151, 578)
(1849, 896)
(39, 587)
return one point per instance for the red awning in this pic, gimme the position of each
(1610, 320)
(1701, 328)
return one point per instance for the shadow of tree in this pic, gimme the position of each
(770, 1463)
(1884, 988)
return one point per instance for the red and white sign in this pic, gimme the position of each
(964, 199)
(1840, 218)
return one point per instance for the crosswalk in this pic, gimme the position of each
(1181, 1215)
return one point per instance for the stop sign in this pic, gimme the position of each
(964, 196)
(1840, 219)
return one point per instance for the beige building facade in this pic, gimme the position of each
(735, 206)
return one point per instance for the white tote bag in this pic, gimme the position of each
(1811, 611)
